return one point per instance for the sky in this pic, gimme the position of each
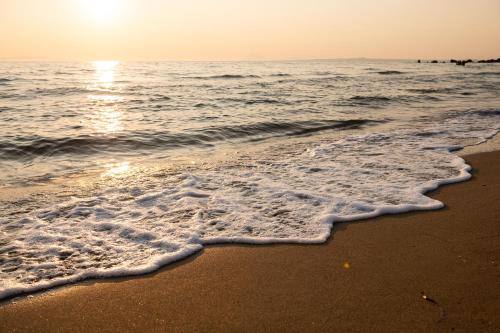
(248, 29)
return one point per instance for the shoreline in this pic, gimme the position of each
(364, 277)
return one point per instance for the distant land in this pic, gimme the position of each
(464, 62)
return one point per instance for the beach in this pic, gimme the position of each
(225, 166)
(432, 271)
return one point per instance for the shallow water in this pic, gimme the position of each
(150, 161)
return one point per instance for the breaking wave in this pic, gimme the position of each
(291, 195)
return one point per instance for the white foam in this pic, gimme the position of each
(290, 195)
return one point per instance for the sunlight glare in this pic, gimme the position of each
(107, 116)
(105, 71)
(101, 10)
(107, 119)
(116, 169)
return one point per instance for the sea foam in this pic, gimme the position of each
(293, 194)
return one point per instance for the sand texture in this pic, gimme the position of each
(370, 276)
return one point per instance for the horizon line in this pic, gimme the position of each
(234, 60)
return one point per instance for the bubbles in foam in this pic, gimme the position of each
(291, 195)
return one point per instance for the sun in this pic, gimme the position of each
(101, 10)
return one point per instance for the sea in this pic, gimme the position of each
(114, 168)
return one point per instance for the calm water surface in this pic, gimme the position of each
(60, 118)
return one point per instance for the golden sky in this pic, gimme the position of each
(248, 29)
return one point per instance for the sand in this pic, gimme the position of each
(369, 276)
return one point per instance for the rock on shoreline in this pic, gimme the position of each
(464, 62)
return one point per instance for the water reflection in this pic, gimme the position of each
(106, 116)
(117, 169)
(105, 72)
(107, 120)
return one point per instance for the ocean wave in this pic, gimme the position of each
(14, 96)
(327, 78)
(494, 74)
(324, 73)
(390, 72)
(381, 101)
(293, 194)
(31, 147)
(289, 189)
(223, 76)
(493, 113)
(201, 105)
(370, 100)
(292, 128)
(159, 98)
(58, 91)
(265, 101)
(433, 90)
(66, 91)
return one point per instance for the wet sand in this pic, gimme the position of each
(370, 276)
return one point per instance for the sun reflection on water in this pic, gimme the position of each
(117, 169)
(107, 120)
(105, 72)
(106, 116)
